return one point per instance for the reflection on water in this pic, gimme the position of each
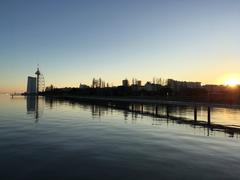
(34, 107)
(222, 119)
(75, 140)
(32, 104)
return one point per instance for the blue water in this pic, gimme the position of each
(61, 140)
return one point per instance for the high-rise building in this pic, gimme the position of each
(32, 85)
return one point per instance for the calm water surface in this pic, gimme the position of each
(62, 140)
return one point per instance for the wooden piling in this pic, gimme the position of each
(195, 113)
(209, 115)
(167, 109)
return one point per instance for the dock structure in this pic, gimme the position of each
(156, 103)
(195, 122)
(153, 102)
(138, 106)
(167, 114)
(159, 110)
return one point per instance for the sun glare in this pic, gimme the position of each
(230, 79)
(232, 82)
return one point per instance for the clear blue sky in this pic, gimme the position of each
(76, 40)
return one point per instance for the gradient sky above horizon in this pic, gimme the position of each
(76, 40)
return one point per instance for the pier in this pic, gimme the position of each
(156, 103)
(137, 106)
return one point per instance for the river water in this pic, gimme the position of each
(51, 139)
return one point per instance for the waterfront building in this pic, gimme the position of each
(32, 85)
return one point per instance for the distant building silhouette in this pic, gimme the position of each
(177, 85)
(215, 88)
(83, 86)
(32, 85)
(148, 86)
(49, 88)
(125, 83)
(98, 83)
(151, 86)
(139, 83)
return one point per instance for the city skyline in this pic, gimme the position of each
(74, 42)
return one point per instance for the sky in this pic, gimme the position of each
(76, 40)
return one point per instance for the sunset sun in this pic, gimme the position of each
(232, 82)
(230, 79)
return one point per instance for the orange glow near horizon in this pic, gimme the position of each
(231, 80)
